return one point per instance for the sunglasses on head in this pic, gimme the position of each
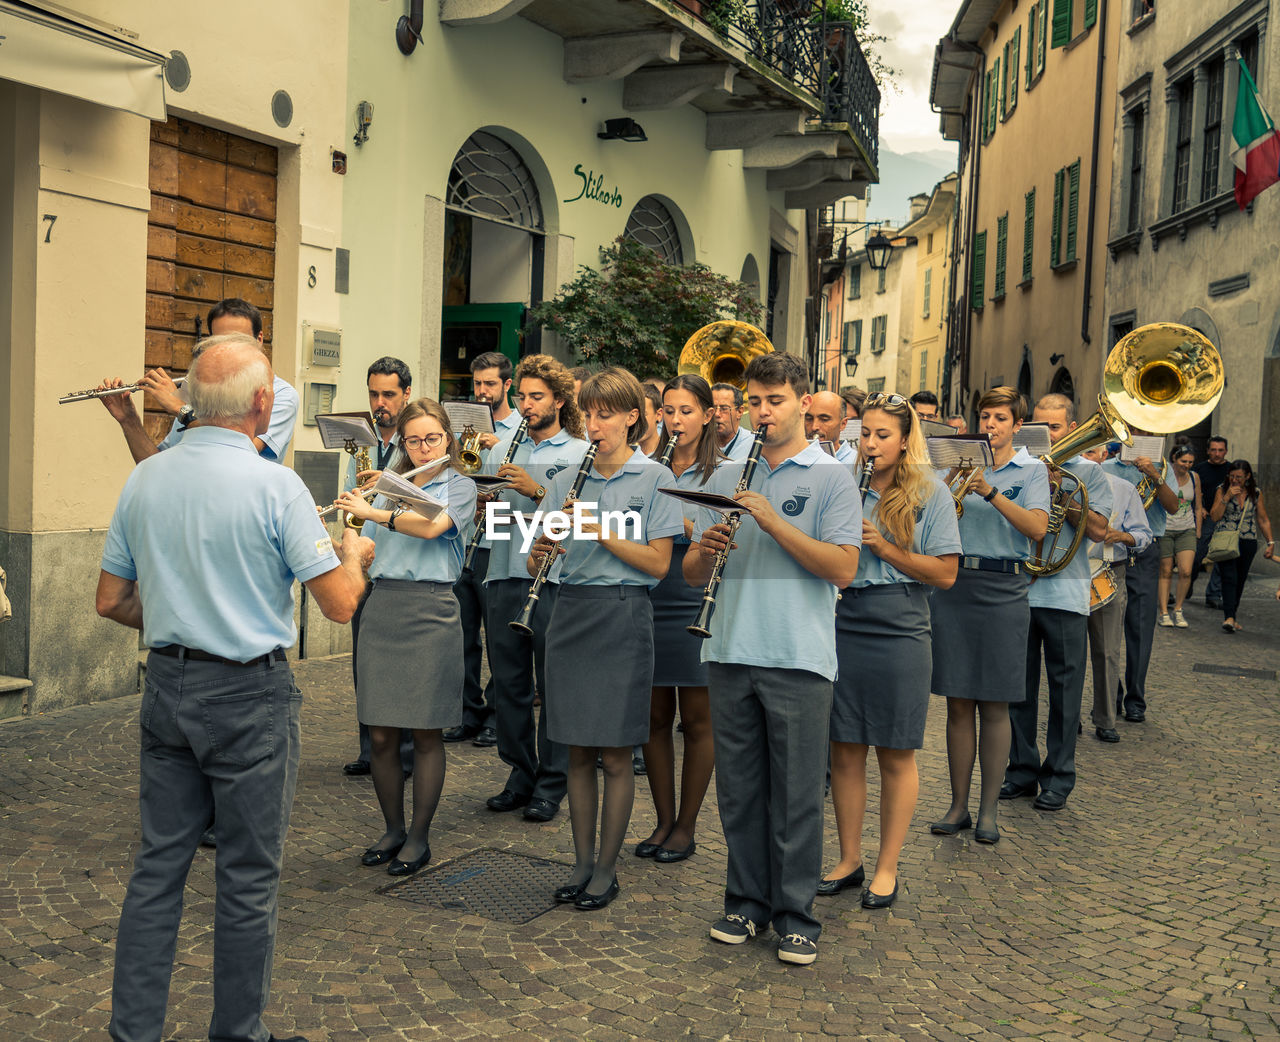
(894, 401)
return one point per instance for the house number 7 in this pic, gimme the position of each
(51, 218)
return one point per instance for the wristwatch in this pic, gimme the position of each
(186, 415)
(991, 495)
(539, 493)
(391, 521)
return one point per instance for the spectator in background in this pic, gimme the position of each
(1212, 473)
(652, 418)
(1181, 533)
(959, 423)
(579, 373)
(1238, 504)
(732, 439)
(854, 397)
(925, 404)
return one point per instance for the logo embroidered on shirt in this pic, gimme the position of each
(553, 471)
(1011, 492)
(794, 506)
(324, 547)
(635, 503)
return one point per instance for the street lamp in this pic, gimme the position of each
(878, 250)
(850, 366)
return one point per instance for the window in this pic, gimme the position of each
(1212, 129)
(855, 281)
(1142, 8)
(924, 369)
(880, 281)
(1042, 34)
(1182, 144)
(978, 288)
(1134, 218)
(879, 327)
(875, 384)
(928, 279)
(1071, 18)
(985, 109)
(1033, 16)
(652, 224)
(1066, 212)
(852, 345)
(996, 98)
(1028, 232)
(1073, 207)
(1061, 22)
(929, 247)
(1011, 50)
(1002, 250)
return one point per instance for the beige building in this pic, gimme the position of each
(932, 231)
(1022, 88)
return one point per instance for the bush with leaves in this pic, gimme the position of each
(637, 311)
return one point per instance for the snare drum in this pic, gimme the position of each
(1103, 585)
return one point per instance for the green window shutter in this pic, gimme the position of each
(1073, 207)
(1028, 234)
(1055, 230)
(978, 291)
(1031, 46)
(1042, 35)
(884, 330)
(856, 337)
(1002, 252)
(1061, 22)
(1012, 65)
(1005, 106)
(928, 279)
(997, 98)
(1090, 13)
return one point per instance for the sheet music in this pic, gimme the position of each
(1151, 446)
(710, 500)
(478, 415)
(852, 430)
(936, 429)
(960, 450)
(1034, 437)
(490, 483)
(405, 493)
(337, 428)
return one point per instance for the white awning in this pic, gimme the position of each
(57, 54)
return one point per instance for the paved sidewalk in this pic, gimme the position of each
(1146, 909)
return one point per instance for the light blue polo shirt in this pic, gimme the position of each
(983, 530)
(1157, 517)
(741, 444)
(542, 461)
(634, 486)
(770, 610)
(507, 424)
(275, 443)
(1068, 590)
(845, 453)
(936, 533)
(401, 556)
(1127, 516)
(214, 535)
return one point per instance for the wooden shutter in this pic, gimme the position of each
(1012, 65)
(985, 109)
(928, 279)
(1073, 207)
(1055, 231)
(211, 234)
(1032, 15)
(856, 335)
(1028, 233)
(1042, 35)
(1090, 13)
(1004, 85)
(978, 289)
(1061, 22)
(997, 95)
(1002, 249)
(884, 330)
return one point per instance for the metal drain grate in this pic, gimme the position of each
(496, 884)
(1234, 671)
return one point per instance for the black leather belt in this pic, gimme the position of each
(992, 564)
(180, 651)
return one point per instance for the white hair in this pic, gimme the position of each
(230, 399)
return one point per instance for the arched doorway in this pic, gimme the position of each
(751, 275)
(493, 257)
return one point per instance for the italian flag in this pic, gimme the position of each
(1255, 144)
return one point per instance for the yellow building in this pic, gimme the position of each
(1027, 90)
(926, 354)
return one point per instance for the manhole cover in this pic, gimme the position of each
(1234, 671)
(497, 884)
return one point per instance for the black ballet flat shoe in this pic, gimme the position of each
(567, 894)
(593, 902)
(373, 857)
(828, 887)
(667, 856)
(990, 837)
(870, 900)
(647, 849)
(408, 868)
(948, 828)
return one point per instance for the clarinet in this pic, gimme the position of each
(864, 482)
(670, 450)
(521, 431)
(523, 623)
(699, 628)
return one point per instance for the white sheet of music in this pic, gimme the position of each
(336, 429)
(1034, 437)
(960, 450)
(1147, 445)
(476, 415)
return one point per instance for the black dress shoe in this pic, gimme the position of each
(870, 900)
(1107, 734)
(540, 809)
(588, 902)
(507, 800)
(208, 839)
(1049, 800)
(567, 894)
(949, 828)
(828, 887)
(291, 1038)
(1135, 718)
(638, 766)
(667, 856)
(408, 868)
(485, 738)
(1010, 791)
(356, 767)
(461, 733)
(374, 857)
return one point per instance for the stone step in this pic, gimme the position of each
(13, 696)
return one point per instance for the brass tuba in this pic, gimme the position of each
(1161, 378)
(720, 352)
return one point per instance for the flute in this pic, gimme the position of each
(92, 393)
(700, 625)
(368, 494)
(670, 450)
(521, 431)
(523, 623)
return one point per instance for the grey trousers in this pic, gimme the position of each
(477, 701)
(538, 765)
(770, 728)
(215, 738)
(1139, 627)
(1106, 635)
(1061, 636)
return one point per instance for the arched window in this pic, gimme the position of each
(1063, 384)
(651, 224)
(490, 180)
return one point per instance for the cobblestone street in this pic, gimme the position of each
(1146, 909)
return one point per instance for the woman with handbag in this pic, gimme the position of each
(1237, 510)
(1181, 532)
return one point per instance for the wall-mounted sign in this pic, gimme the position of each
(591, 186)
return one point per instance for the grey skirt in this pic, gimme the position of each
(409, 673)
(980, 637)
(677, 653)
(599, 666)
(885, 660)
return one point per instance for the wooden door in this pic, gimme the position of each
(211, 235)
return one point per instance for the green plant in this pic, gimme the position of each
(635, 310)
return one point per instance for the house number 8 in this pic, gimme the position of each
(311, 276)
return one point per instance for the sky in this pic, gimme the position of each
(906, 122)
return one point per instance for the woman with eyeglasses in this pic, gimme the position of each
(410, 672)
(678, 671)
(980, 624)
(1238, 504)
(1181, 532)
(910, 543)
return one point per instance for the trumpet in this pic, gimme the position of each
(669, 450)
(523, 623)
(699, 627)
(469, 460)
(961, 485)
(521, 431)
(1147, 488)
(92, 393)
